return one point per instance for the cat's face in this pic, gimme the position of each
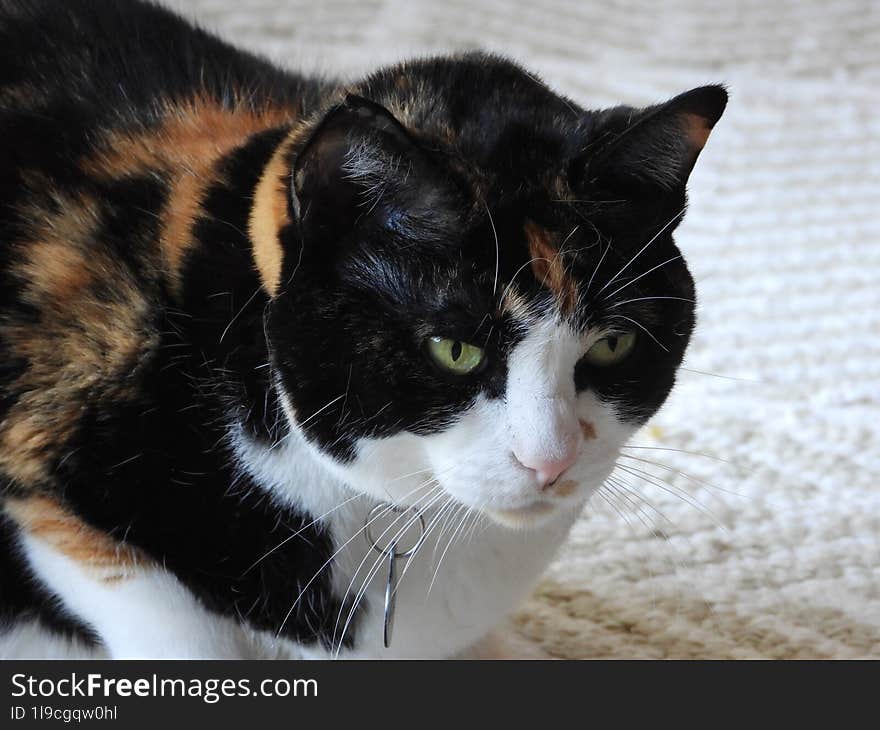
(480, 290)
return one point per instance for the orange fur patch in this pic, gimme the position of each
(84, 342)
(588, 430)
(564, 489)
(548, 267)
(269, 215)
(89, 343)
(697, 130)
(186, 145)
(45, 519)
(514, 303)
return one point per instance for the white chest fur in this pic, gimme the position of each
(464, 579)
(460, 584)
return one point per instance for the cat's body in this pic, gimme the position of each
(217, 282)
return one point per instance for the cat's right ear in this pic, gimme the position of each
(359, 164)
(651, 151)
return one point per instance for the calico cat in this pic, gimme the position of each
(244, 312)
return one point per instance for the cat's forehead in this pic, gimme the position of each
(512, 265)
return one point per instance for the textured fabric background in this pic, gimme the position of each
(757, 532)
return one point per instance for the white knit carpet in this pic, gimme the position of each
(775, 551)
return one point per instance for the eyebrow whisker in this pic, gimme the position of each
(497, 250)
(642, 249)
(644, 329)
(645, 299)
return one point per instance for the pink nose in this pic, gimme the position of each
(547, 471)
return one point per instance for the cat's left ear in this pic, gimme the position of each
(361, 166)
(654, 149)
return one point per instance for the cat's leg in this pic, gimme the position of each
(142, 613)
(136, 607)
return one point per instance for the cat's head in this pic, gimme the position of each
(475, 282)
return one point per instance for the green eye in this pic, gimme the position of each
(455, 356)
(611, 349)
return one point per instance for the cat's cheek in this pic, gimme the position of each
(472, 458)
(604, 433)
(391, 469)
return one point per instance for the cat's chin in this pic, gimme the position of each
(524, 518)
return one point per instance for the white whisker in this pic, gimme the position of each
(669, 489)
(322, 409)
(300, 530)
(448, 545)
(643, 274)
(371, 573)
(644, 329)
(646, 299)
(642, 250)
(596, 270)
(497, 250)
(687, 476)
(329, 560)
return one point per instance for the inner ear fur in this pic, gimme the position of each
(361, 166)
(653, 148)
(357, 153)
